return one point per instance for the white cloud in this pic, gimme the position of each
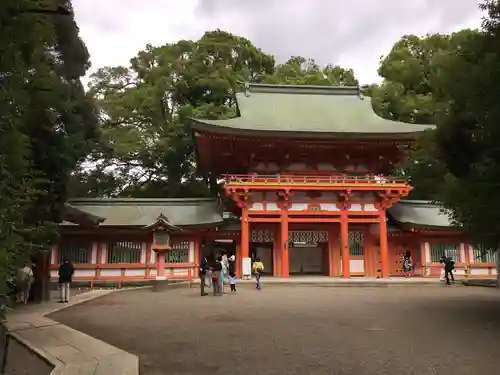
(354, 34)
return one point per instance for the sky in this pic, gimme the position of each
(350, 33)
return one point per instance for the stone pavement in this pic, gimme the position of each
(419, 330)
(70, 352)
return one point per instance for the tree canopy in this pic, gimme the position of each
(145, 150)
(48, 124)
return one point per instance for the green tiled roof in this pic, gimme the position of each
(74, 215)
(420, 213)
(308, 111)
(145, 212)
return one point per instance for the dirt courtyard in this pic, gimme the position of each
(301, 330)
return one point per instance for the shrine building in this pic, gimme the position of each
(306, 186)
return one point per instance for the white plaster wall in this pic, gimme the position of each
(54, 274)
(143, 252)
(298, 207)
(297, 167)
(355, 207)
(471, 254)
(84, 273)
(273, 207)
(326, 167)
(111, 272)
(104, 253)
(370, 207)
(355, 265)
(427, 247)
(479, 271)
(462, 253)
(93, 254)
(135, 272)
(152, 272)
(191, 252)
(329, 207)
(53, 255)
(257, 206)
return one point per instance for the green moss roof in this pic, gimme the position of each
(420, 214)
(308, 112)
(145, 212)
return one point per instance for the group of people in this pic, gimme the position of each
(449, 266)
(215, 272)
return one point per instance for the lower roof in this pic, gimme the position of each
(206, 211)
(420, 213)
(145, 212)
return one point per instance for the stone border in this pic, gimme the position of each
(68, 350)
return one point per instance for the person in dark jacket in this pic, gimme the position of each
(203, 274)
(216, 277)
(449, 266)
(66, 271)
(232, 272)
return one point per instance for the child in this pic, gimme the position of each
(257, 267)
(232, 273)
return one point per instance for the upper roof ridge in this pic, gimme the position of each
(302, 89)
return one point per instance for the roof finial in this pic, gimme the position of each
(247, 89)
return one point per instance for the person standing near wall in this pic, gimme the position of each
(407, 263)
(66, 271)
(216, 277)
(258, 267)
(203, 274)
(232, 273)
(225, 266)
(25, 279)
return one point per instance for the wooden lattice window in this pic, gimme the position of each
(308, 236)
(449, 250)
(75, 252)
(484, 254)
(356, 243)
(124, 252)
(179, 253)
(261, 236)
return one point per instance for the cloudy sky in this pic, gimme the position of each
(351, 33)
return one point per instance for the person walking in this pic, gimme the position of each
(203, 274)
(224, 270)
(407, 264)
(66, 271)
(257, 268)
(449, 266)
(24, 281)
(232, 273)
(216, 277)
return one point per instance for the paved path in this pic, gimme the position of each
(301, 330)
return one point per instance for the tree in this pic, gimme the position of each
(47, 122)
(145, 147)
(413, 91)
(301, 71)
(469, 135)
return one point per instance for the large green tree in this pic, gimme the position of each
(469, 136)
(47, 126)
(414, 91)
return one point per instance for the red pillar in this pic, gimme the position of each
(244, 236)
(238, 259)
(344, 242)
(284, 245)
(197, 256)
(160, 265)
(384, 250)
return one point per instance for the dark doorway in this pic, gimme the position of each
(264, 251)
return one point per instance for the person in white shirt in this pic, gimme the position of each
(25, 279)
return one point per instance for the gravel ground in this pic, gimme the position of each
(301, 330)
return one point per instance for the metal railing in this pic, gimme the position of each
(325, 180)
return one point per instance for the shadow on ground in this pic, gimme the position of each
(313, 330)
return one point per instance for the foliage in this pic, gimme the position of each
(414, 90)
(469, 136)
(47, 123)
(301, 71)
